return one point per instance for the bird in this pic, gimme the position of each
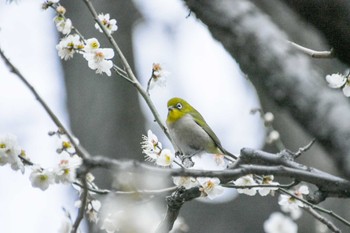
(189, 132)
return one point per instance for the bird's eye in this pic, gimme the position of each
(178, 105)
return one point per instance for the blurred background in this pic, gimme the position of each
(109, 117)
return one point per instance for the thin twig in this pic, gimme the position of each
(139, 191)
(80, 150)
(83, 199)
(230, 185)
(329, 212)
(305, 148)
(128, 69)
(313, 53)
(322, 219)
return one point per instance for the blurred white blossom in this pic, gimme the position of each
(246, 181)
(65, 172)
(9, 152)
(63, 25)
(185, 181)
(267, 180)
(278, 223)
(292, 205)
(159, 76)
(41, 178)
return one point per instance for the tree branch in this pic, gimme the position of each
(264, 54)
(259, 163)
(175, 202)
(322, 219)
(128, 69)
(313, 53)
(79, 149)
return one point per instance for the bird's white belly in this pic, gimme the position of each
(188, 136)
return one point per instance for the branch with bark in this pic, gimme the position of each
(288, 77)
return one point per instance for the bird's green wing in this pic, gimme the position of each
(202, 123)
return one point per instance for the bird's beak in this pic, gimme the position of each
(170, 108)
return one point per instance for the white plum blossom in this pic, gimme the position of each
(158, 76)
(267, 180)
(335, 80)
(292, 205)
(272, 137)
(91, 45)
(246, 181)
(63, 25)
(66, 169)
(185, 181)
(269, 117)
(41, 178)
(98, 60)
(109, 224)
(68, 46)
(110, 24)
(150, 145)
(211, 187)
(9, 152)
(65, 145)
(278, 223)
(165, 158)
(93, 209)
(339, 81)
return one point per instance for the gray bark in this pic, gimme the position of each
(286, 75)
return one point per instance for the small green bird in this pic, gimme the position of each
(189, 131)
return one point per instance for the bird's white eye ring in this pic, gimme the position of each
(178, 105)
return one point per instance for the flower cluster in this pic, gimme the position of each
(109, 24)
(64, 172)
(249, 180)
(339, 81)
(10, 152)
(290, 204)
(99, 59)
(210, 187)
(154, 151)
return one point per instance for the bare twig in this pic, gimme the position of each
(80, 150)
(128, 69)
(139, 191)
(305, 148)
(313, 53)
(329, 212)
(83, 199)
(322, 219)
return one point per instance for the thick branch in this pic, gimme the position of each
(260, 163)
(286, 74)
(175, 202)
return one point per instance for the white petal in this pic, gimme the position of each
(335, 80)
(346, 90)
